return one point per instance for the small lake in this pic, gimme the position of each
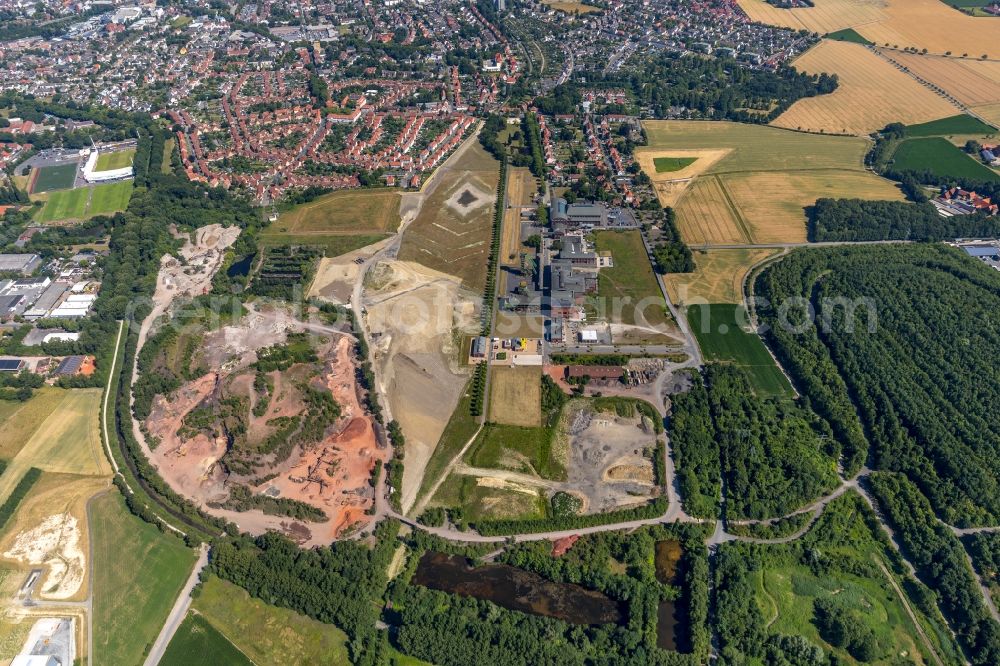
(667, 560)
(241, 267)
(517, 589)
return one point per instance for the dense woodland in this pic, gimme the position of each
(723, 89)
(772, 455)
(897, 357)
(860, 220)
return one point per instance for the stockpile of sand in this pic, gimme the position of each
(54, 544)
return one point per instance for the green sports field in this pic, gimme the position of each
(65, 205)
(110, 198)
(59, 177)
(942, 158)
(138, 573)
(721, 336)
(112, 161)
(85, 202)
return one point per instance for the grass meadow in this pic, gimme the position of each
(265, 633)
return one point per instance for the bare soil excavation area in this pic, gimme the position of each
(204, 463)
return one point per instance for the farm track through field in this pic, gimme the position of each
(740, 220)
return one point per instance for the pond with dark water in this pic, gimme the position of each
(518, 590)
(667, 561)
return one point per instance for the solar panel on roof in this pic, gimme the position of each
(10, 364)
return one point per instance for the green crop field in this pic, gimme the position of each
(268, 634)
(138, 573)
(665, 164)
(110, 198)
(116, 160)
(198, 642)
(960, 124)
(64, 205)
(848, 35)
(942, 158)
(59, 177)
(631, 283)
(722, 338)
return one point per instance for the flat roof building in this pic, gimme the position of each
(19, 263)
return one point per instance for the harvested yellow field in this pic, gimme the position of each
(705, 216)
(872, 93)
(670, 185)
(972, 82)
(826, 16)
(990, 113)
(516, 396)
(757, 190)
(921, 24)
(773, 204)
(717, 278)
(935, 26)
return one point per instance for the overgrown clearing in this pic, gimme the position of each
(919, 24)
(628, 292)
(491, 500)
(527, 450)
(516, 396)
(722, 335)
(60, 177)
(114, 160)
(769, 592)
(760, 181)
(197, 641)
(717, 278)
(338, 222)
(940, 157)
(452, 232)
(268, 635)
(85, 202)
(138, 573)
(58, 433)
(872, 93)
